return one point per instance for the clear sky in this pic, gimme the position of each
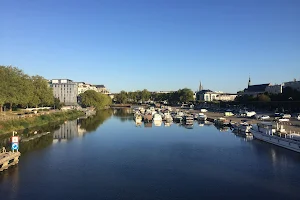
(154, 44)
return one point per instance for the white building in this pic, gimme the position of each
(226, 97)
(65, 90)
(208, 95)
(82, 87)
(293, 84)
(102, 89)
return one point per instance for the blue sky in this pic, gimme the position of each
(154, 44)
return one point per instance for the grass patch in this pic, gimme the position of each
(20, 124)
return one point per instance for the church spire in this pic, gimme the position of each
(200, 86)
(249, 82)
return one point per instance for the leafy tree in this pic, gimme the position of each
(263, 98)
(122, 97)
(57, 104)
(186, 95)
(42, 94)
(91, 98)
(145, 95)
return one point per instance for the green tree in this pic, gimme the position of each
(145, 95)
(186, 95)
(57, 104)
(91, 98)
(122, 97)
(42, 93)
(263, 98)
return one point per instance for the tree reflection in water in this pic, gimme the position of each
(124, 114)
(91, 123)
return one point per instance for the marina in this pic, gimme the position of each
(157, 155)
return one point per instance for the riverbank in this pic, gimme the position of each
(20, 124)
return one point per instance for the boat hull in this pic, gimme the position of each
(282, 142)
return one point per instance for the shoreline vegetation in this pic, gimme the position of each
(24, 123)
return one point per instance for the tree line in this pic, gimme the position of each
(21, 90)
(179, 96)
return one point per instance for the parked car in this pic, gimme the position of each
(264, 117)
(286, 116)
(283, 119)
(298, 116)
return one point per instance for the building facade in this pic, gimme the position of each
(226, 97)
(274, 89)
(65, 90)
(82, 87)
(293, 84)
(102, 89)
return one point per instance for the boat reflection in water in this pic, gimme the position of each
(138, 123)
(148, 124)
(168, 124)
(157, 122)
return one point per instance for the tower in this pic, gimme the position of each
(200, 86)
(249, 82)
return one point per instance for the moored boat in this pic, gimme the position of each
(157, 117)
(275, 134)
(221, 121)
(201, 117)
(242, 128)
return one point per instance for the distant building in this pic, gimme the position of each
(255, 90)
(226, 97)
(163, 92)
(293, 84)
(82, 87)
(65, 90)
(208, 95)
(274, 89)
(102, 89)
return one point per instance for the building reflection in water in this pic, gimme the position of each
(67, 131)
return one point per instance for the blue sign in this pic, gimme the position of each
(15, 146)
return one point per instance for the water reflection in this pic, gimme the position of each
(91, 123)
(67, 131)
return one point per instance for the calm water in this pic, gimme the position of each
(110, 157)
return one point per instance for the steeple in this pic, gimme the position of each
(249, 82)
(200, 86)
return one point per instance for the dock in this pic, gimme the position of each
(8, 159)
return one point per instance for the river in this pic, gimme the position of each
(108, 157)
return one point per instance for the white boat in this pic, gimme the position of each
(275, 134)
(157, 117)
(168, 117)
(201, 117)
(243, 128)
(196, 115)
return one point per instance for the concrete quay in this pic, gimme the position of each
(292, 126)
(8, 159)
